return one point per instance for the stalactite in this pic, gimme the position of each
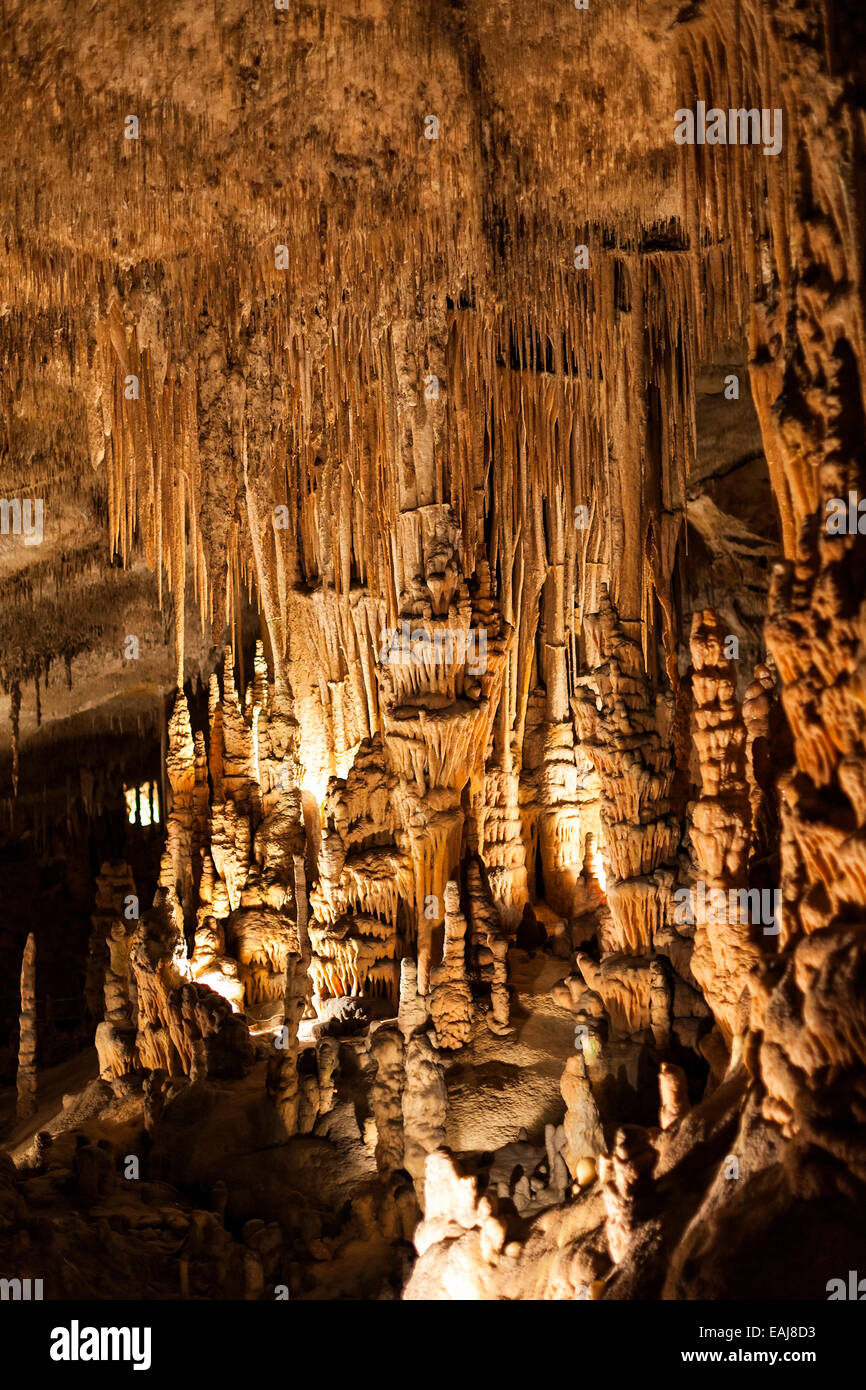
(419, 401)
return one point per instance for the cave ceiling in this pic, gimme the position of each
(432, 642)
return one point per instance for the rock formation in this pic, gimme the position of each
(450, 999)
(26, 1079)
(434, 587)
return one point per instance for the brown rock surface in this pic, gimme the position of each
(438, 486)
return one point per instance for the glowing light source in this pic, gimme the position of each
(597, 864)
(142, 804)
(315, 785)
(225, 982)
(345, 759)
(316, 776)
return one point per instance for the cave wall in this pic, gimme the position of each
(390, 347)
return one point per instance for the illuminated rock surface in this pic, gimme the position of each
(434, 788)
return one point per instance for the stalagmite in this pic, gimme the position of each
(424, 1106)
(450, 997)
(412, 1013)
(624, 735)
(673, 1094)
(115, 898)
(434, 592)
(627, 1187)
(386, 1046)
(26, 1078)
(452, 1207)
(500, 1005)
(116, 1035)
(583, 1133)
(726, 936)
(283, 1068)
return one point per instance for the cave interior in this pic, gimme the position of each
(433, 650)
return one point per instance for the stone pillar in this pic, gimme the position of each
(26, 1106)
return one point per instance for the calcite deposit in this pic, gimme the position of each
(433, 833)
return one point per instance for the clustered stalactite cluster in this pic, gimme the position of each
(448, 457)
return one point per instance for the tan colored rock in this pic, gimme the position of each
(413, 1013)
(583, 1133)
(727, 943)
(673, 1094)
(26, 1081)
(450, 997)
(115, 900)
(386, 1046)
(626, 1185)
(424, 1106)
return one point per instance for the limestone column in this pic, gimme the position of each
(26, 1106)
